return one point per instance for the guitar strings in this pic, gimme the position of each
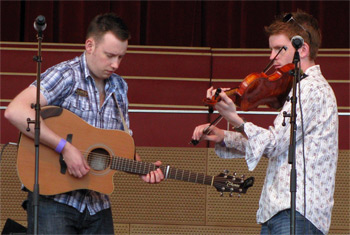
(95, 159)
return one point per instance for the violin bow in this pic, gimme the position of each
(269, 65)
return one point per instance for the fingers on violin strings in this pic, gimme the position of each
(225, 97)
(225, 89)
(210, 92)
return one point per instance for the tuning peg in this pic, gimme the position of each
(231, 192)
(243, 176)
(234, 175)
(225, 172)
(239, 195)
(221, 194)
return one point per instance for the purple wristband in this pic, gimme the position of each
(60, 145)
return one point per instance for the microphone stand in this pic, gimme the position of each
(36, 133)
(292, 145)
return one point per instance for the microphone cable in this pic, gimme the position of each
(303, 148)
(3, 148)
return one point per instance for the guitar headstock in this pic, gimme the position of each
(232, 184)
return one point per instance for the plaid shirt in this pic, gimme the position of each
(70, 86)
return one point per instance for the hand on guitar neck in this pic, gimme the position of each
(154, 176)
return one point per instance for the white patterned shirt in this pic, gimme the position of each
(320, 118)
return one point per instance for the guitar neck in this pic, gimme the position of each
(143, 168)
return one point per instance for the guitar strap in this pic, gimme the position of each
(126, 129)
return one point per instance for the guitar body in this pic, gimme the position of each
(89, 140)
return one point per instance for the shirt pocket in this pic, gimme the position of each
(80, 105)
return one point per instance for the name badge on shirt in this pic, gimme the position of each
(81, 92)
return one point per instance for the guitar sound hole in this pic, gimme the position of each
(99, 159)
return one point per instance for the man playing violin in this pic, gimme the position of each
(316, 145)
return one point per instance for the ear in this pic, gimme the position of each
(304, 50)
(89, 45)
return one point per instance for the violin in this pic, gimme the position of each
(256, 89)
(260, 89)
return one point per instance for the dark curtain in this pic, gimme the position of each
(218, 24)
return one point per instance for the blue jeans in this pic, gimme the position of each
(280, 224)
(58, 218)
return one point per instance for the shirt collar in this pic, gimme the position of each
(84, 66)
(110, 82)
(313, 70)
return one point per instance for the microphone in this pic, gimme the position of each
(297, 42)
(39, 23)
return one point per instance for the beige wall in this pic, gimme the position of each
(176, 207)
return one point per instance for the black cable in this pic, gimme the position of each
(3, 148)
(302, 139)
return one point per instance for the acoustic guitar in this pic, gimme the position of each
(106, 152)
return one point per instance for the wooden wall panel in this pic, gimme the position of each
(11, 196)
(176, 207)
(170, 78)
(236, 210)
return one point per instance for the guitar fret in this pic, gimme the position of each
(208, 180)
(138, 167)
(129, 165)
(189, 176)
(175, 173)
(115, 164)
(133, 165)
(120, 163)
(106, 161)
(185, 175)
(124, 163)
(112, 163)
(179, 175)
(145, 166)
(200, 178)
(171, 176)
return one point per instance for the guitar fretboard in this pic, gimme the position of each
(143, 168)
